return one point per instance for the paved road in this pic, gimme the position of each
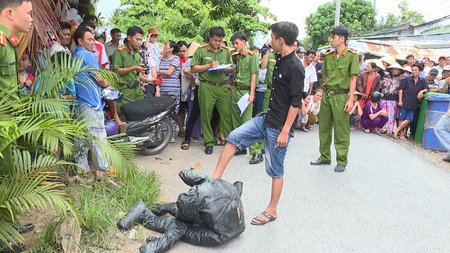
(392, 198)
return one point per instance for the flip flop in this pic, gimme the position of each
(259, 222)
(185, 145)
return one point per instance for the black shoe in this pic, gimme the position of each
(241, 152)
(320, 162)
(339, 168)
(256, 158)
(446, 158)
(12, 248)
(133, 216)
(208, 150)
(25, 228)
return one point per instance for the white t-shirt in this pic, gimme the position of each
(310, 77)
(185, 81)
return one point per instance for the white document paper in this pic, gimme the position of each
(220, 67)
(243, 103)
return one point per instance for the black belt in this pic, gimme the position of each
(241, 87)
(331, 92)
(214, 83)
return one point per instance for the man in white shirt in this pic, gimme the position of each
(310, 71)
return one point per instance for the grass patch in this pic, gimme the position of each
(102, 204)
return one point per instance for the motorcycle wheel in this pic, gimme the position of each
(164, 123)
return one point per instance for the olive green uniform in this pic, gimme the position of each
(8, 61)
(246, 66)
(337, 72)
(9, 80)
(124, 57)
(213, 91)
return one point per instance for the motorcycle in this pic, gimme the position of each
(149, 126)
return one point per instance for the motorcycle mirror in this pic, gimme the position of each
(133, 84)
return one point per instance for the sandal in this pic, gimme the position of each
(259, 222)
(185, 145)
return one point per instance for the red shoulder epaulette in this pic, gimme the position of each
(122, 48)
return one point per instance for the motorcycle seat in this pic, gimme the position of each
(144, 108)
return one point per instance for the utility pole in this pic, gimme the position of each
(338, 13)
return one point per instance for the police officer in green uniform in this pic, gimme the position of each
(244, 82)
(127, 64)
(213, 91)
(339, 72)
(15, 18)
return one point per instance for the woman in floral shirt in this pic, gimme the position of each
(389, 87)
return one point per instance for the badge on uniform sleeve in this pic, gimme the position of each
(2, 39)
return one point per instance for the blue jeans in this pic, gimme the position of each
(442, 131)
(96, 120)
(259, 98)
(254, 130)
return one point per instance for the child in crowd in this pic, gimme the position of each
(356, 112)
(374, 118)
(26, 79)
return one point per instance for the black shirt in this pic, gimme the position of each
(287, 85)
(410, 91)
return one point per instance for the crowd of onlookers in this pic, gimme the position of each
(387, 98)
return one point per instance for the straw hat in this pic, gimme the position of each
(377, 62)
(191, 50)
(407, 68)
(152, 30)
(395, 66)
(389, 60)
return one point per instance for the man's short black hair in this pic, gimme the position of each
(310, 51)
(217, 31)
(80, 33)
(65, 25)
(11, 3)
(114, 31)
(182, 43)
(133, 30)
(286, 30)
(418, 65)
(238, 36)
(340, 31)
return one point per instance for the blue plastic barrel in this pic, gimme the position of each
(437, 106)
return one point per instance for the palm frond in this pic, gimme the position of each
(9, 233)
(120, 155)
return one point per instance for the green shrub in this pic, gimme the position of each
(102, 204)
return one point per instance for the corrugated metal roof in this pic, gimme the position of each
(400, 49)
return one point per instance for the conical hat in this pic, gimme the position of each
(395, 66)
(191, 50)
(389, 60)
(407, 69)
